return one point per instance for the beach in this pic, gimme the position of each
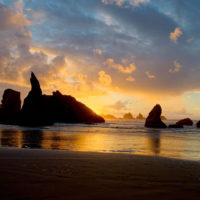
(55, 174)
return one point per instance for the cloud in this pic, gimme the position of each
(104, 78)
(118, 108)
(150, 76)
(130, 78)
(12, 18)
(122, 2)
(18, 56)
(177, 67)
(123, 69)
(79, 31)
(119, 105)
(97, 52)
(175, 35)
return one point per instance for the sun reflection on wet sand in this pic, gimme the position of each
(148, 142)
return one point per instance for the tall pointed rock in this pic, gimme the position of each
(154, 118)
(32, 112)
(40, 110)
(35, 86)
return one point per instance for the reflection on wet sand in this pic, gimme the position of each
(32, 138)
(148, 144)
(11, 138)
(153, 138)
(76, 142)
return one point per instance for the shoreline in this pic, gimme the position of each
(125, 154)
(58, 174)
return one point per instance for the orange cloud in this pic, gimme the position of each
(124, 69)
(176, 34)
(151, 76)
(130, 78)
(104, 78)
(177, 67)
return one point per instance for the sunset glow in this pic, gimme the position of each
(114, 56)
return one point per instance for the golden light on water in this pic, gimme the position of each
(150, 143)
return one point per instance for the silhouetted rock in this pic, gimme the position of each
(128, 116)
(108, 116)
(198, 124)
(163, 118)
(140, 117)
(33, 109)
(67, 109)
(153, 120)
(185, 122)
(11, 105)
(35, 86)
(40, 110)
(175, 126)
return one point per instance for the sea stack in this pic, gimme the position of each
(140, 117)
(10, 107)
(128, 116)
(42, 110)
(153, 120)
(33, 109)
(198, 124)
(175, 126)
(185, 122)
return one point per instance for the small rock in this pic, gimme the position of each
(175, 126)
(185, 122)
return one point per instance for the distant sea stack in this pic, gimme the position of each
(140, 117)
(185, 122)
(128, 116)
(154, 120)
(109, 116)
(198, 124)
(42, 110)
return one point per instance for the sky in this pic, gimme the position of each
(116, 56)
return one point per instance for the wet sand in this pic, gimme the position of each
(27, 174)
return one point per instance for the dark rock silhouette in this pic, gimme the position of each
(198, 124)
(140, 117)
(35, 90)
(175, 126)
(39, 110)
(128, 116)
(185, 122)
(154, 120)
(163, 118)
(33, 110)
(11, 105)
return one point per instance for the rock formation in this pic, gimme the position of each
(33, 109)
(41, 110)
(11, 105)
(198, 124)
(185, 122)
(154, 120)
(140, 117)
(163, 118)
(175, 126)
(109, 116)
(128, 116)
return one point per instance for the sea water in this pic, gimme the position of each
(114, 136)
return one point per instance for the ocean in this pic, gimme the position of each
(114, 136)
